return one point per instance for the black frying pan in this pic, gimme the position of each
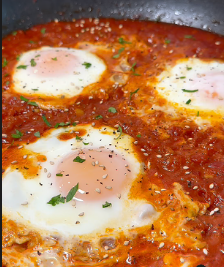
(204, 14)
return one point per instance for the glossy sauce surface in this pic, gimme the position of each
(170, 144)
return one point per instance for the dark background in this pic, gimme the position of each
(204, 14)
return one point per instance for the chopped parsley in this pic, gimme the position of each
(5, 63)
(79, 160)
(72, 193)
(167, 41)
(198, 114)
(119, 53)
(120, 131)
(37, 134)
(87, 65)
(182, 77)
(59, 174)
(14, 33)
(133, 69)
(74, 124)
(138, 135)
(7, 83)
(35, 89)
(189, 68)
(132, 93)
(32, 42)
(37, 56)
(190, 91)
(54, 58)
(59, 199)
(78, 138)
(122, 41)
(18, 58)
(46, 121)
(6, 75)
(85, 144)
(43, 31)
(112, 110)
(17, 135)
(24, 67)
(56, 200)
(188, 36)
(98, 117)
(188, 101)
(24, 99)
(107, 204)
(62, 124)
(32, 103)
(33, 62)
(28, 102)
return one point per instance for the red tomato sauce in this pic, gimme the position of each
(202, 151)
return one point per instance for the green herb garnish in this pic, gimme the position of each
(189, 91)
(54, 58)
(35, 89)
(182, 77)
(87, 65)
(59, 174)
(14, 33)
(59, 199)
(18, 58)
(37, 134)
(138, 135)
(46, 121)
(17, 135)
(98, 117)
(189, 68)
(79, 160)
(132, 93)
(112, 110)
(43, 31)
(119, 53)
(198, 114)
(32, 42)
(74, 124)
(32, 103)
(62, 124)
(24, 99)
(120, 131)
(188, 101)
(85, 144)
(5, 63)
(188, 36)
(28, 102)
(107, 204)
(7, 83)
(78, 138)
(56, 200)
(6, 75)
(72, 193)
(33, 62)
(37, 56)
(133, 69)
(122, 41)
(24, 67)
(167, 41)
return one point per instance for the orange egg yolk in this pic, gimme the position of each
(102, 174)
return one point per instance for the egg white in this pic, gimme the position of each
(206, 77)
(25, 200)
(67, 77)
